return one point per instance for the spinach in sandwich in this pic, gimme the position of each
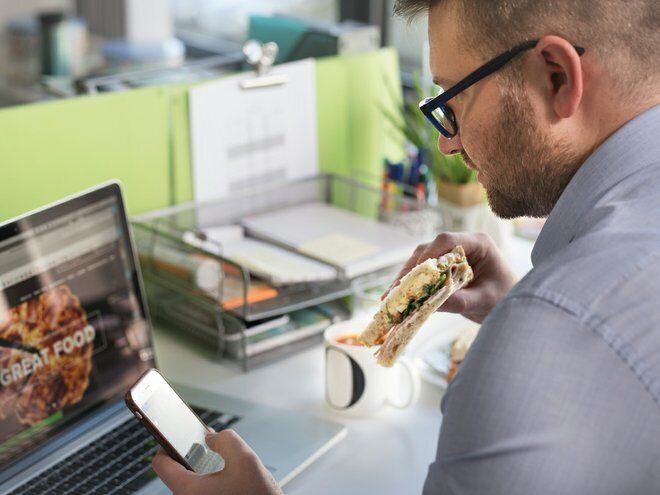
(429, 290)
(390, 318)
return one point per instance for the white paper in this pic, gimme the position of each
(355, 244)
(245, 138)
(275, 264)
(338, 249)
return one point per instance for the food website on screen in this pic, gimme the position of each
(71, 328)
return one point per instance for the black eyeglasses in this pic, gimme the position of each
(435, 107)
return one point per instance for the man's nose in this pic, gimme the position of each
(450, 146)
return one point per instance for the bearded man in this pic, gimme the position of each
(556, 105)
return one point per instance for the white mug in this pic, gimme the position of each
(355, 384)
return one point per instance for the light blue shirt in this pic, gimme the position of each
(560, 392)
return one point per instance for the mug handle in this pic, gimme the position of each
(412, 383)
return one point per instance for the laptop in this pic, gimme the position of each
(74, 336)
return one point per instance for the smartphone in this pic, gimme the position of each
(173, 424)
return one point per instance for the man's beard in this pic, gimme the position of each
(526, 173)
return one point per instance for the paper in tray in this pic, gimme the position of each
(301, 324)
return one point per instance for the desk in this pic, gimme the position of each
(386, 454)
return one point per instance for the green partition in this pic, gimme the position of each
(354, 137)
(352, 92)
(141, 137)
(181, 154)
(51, 150)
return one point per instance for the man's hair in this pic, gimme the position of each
(624, 36)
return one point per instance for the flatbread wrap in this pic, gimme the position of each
(421, 292)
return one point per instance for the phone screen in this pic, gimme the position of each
(167, 412)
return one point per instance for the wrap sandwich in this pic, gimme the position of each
(409, 304)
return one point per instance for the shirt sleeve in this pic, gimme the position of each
(531, 410)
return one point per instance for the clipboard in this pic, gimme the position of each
(255, 129)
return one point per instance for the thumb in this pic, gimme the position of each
(229, 445)
(173, 474)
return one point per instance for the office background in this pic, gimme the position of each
(75, 143)
(223, 23)
(119, 106)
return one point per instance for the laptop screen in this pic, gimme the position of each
(73, 331)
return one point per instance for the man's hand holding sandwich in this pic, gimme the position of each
(493, 277)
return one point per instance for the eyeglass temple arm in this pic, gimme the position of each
(493, 65)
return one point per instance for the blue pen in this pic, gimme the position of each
(396, 175)
(415, 175)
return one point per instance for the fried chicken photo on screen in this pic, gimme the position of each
(62, 381)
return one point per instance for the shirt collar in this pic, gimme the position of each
(630, 148)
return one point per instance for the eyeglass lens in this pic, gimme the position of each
(446, 119)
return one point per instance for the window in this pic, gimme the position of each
(228, 19)
(410, 39)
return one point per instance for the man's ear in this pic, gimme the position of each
(562, 74)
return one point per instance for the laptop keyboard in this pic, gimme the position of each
(118, 463)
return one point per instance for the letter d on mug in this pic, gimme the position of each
(355, 384)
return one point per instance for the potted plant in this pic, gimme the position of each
(455, 182)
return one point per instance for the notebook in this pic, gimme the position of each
(298, 325)
(275, 264)
(354, 244)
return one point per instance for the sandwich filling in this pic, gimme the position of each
(415, 289)
(421, 286)
(409, 304)
(414, 303)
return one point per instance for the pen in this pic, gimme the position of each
(391, 196)
(397, 176)
(420, 192)
(385, 204)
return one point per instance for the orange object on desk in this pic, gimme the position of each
(258, 292)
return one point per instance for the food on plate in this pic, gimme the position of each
(409, 304)
(459, 348)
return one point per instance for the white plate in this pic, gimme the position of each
(430, 348)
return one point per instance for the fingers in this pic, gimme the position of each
(173, 474)
(477, 247)
(442, 244)
(472, 303)
(229, 445)
(474, 245)
(461, 302)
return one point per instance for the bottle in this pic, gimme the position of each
(53, 40)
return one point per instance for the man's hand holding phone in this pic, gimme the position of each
(243, 473)
(188, 460)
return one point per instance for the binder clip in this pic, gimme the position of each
(261, 58)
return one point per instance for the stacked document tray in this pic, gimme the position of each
(225, 273)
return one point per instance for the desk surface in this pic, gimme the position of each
(386, 454)
(394, 447)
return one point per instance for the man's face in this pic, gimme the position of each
(502, 134)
